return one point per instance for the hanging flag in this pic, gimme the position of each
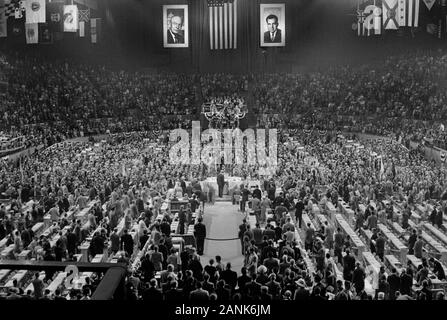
(32, 33)
(372, 21)
(377, 19)
(70, 18)
(3, 20)
(16, 29)
(223, 24)
(45, 34)
(408, 13)
(95, 29)
(389, 8)
(360, 21)
(35, 11)
(84, 17)
(14, 8)
(429, 3)
(55, 12)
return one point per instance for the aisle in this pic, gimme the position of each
(222, 221)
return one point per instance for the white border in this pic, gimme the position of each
(185, 24)
(282, 23)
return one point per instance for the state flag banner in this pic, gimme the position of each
(408, 13)
(35, 11)
(429, 4)
(32, 33)
(84, 18)
(16, 29)
(95, 29)
(14, 8)
(45, 34)
(3, 20)
(222, 24)
(70, 18)
(84, 15)
(82, 29)
(370, 19)
(389, 8)
(55, 11)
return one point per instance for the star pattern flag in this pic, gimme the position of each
(223, 24)
(35, 11)
(408, 13)
(389, 8)
(32, 33)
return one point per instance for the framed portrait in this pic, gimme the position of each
(273, 25)
(175, 26)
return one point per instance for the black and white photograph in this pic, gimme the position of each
(175, 26)
(227, 179)
(273, 25)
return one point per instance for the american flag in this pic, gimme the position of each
(408, 13)
(223, 24)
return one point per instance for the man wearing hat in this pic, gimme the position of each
(301, 292)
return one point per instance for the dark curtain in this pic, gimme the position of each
(140, 27)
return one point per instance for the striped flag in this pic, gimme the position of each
(408, 13)
(223, 24)
(84, 17)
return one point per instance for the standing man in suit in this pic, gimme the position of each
(200, 234)
(273, 35)
(220, 183)
(175, 32)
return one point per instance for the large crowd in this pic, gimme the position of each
(129, 177)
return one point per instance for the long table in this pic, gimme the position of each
(57, 282)
(341, 222)
(346, 210)
(400, 247)
(330, 210)
(436, 232)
